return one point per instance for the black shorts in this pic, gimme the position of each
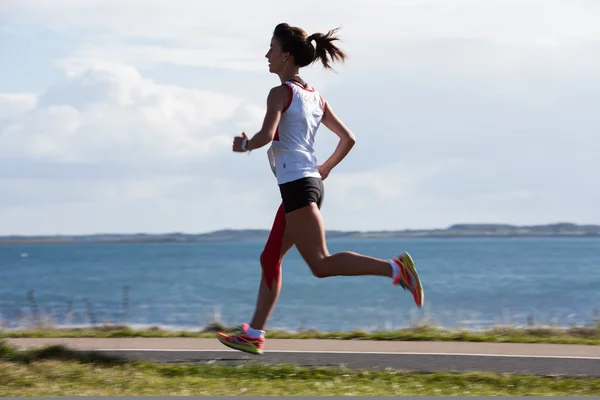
(300, 193)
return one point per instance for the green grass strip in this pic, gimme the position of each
(589, 335)
(57, 371)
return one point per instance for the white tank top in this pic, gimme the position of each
(292, 154)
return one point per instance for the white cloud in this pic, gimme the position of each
(191, 201)
(111, 112)
(515, 20)
(13, 104)
(236, 56)
(142, 154)
(464, 111)
(394, 195)
(220, 35)
(395, 181)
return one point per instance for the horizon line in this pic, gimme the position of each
(448, 227)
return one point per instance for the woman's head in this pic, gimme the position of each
(291, 45)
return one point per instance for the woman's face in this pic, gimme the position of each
(276, 57)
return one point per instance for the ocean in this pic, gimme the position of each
(471, 283)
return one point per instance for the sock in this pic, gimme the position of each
(255, 333)
(395, 269)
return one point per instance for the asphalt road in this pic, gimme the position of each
(542, 359)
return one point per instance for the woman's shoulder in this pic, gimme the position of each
(280, 94)
(280, 90)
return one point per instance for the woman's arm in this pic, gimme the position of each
(276, 102)
(347, 140)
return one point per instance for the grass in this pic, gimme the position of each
(421, 331)
(589, 335)
(58, 371)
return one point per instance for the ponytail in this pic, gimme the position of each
(325, 50)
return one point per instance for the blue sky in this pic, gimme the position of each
(117, 116)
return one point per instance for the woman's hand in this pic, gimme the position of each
(324, 171)
(237, 143)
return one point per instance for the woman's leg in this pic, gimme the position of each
(270, 285)
(250, 338)
(304, 228)
(308, 233)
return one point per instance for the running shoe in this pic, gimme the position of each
(409, 278)
(241, 341)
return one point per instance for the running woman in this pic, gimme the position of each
(294, 112)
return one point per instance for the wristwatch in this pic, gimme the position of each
(244, 144)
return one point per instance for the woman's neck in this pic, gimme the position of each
(291, 76)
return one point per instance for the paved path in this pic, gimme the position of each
(414, 356)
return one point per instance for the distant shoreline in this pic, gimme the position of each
(236, 235)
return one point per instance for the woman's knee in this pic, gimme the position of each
(319, 267)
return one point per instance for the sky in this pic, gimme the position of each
(118, 116)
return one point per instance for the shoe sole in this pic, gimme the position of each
(410, 264)
(240, 347)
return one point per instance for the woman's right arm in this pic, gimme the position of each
(347, 140)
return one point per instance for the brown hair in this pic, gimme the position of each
(295, 41)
